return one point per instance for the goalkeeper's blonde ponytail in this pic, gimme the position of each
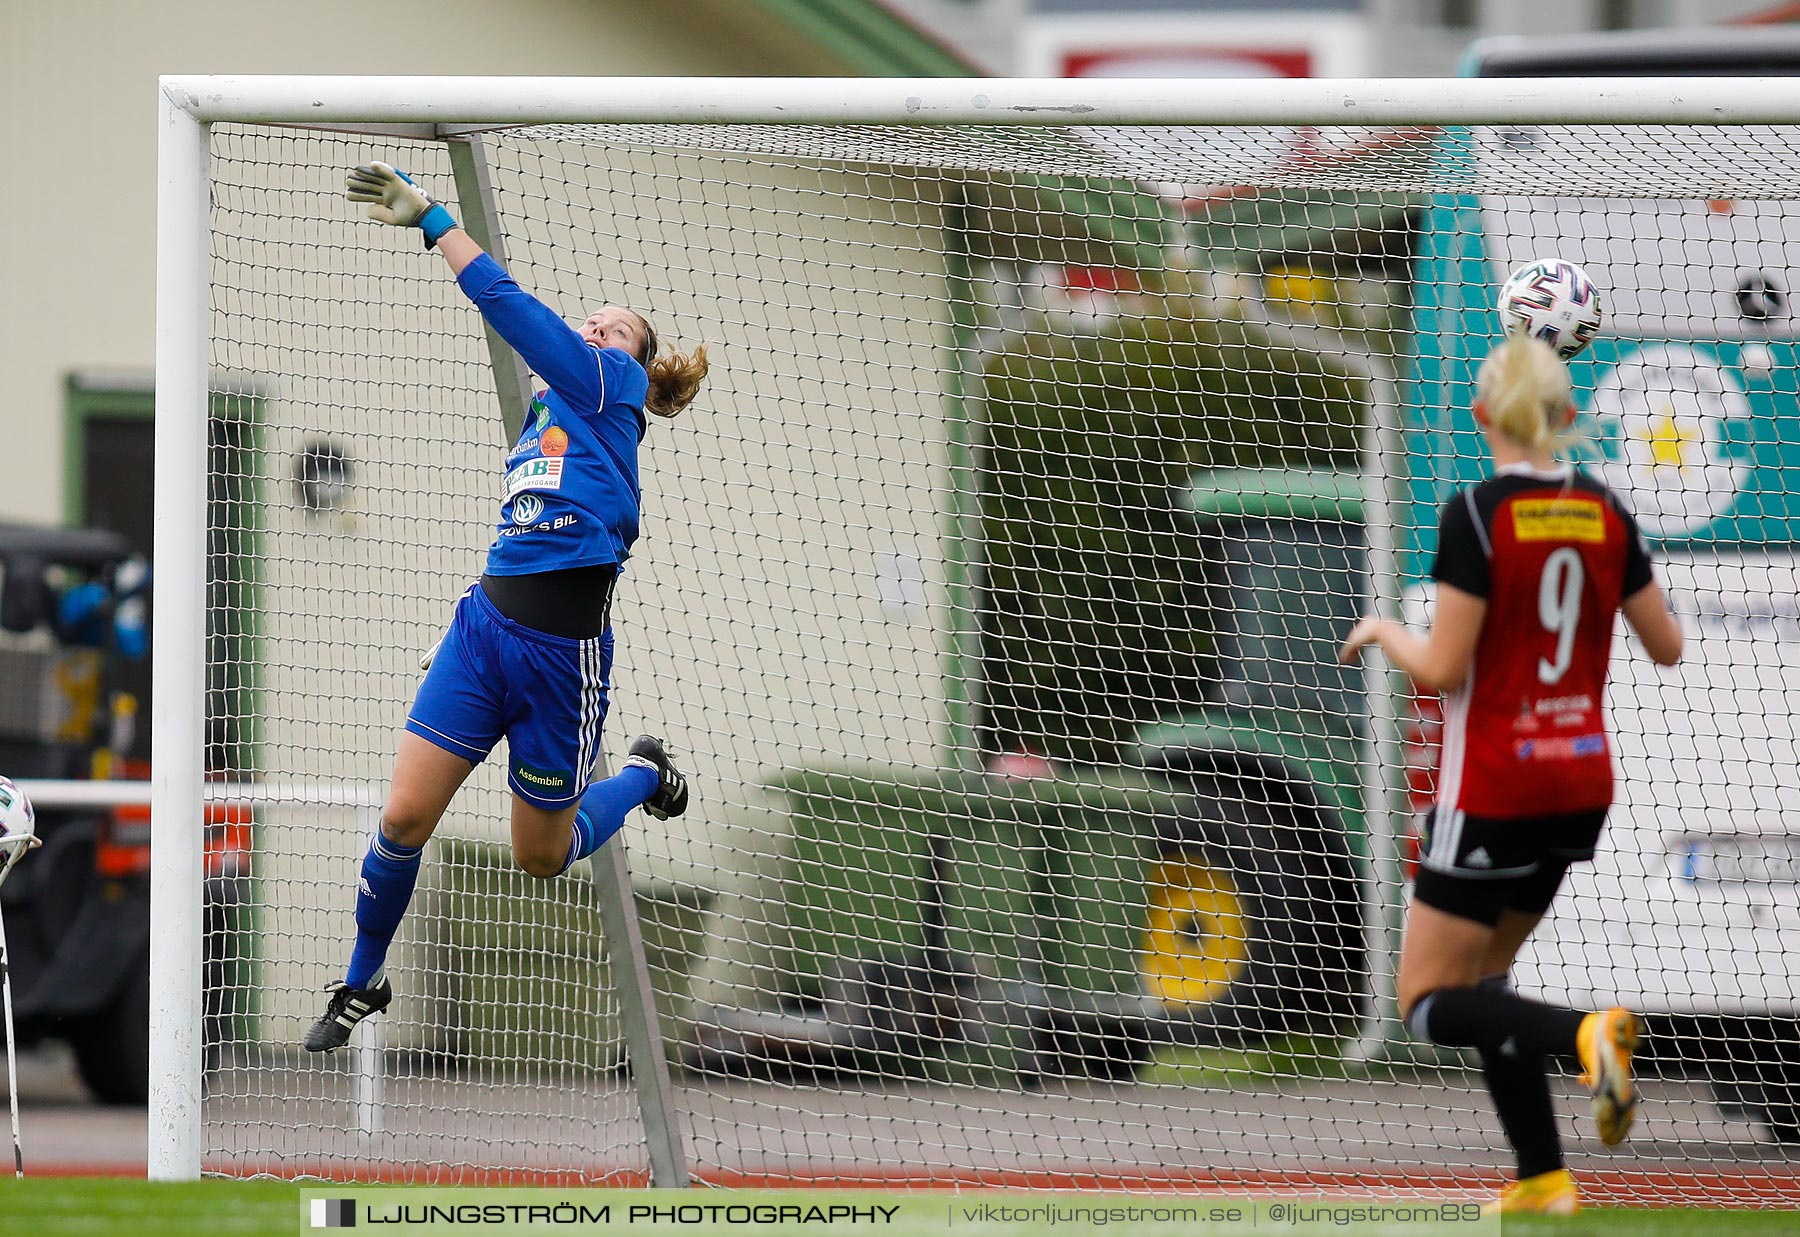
(674, 381)
(1524, 391)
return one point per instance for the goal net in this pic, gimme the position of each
(990, 595)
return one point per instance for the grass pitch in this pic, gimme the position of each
(103, 1207)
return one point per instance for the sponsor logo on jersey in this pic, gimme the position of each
(1571, 748)
(542, 779)
(540, 412)
(567, 519)
(555, 441)
(1559, 519)
(540, 474)
(527, 508)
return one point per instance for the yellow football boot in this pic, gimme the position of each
(1550, 1194)
(1606, 1041)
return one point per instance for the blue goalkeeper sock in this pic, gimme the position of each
(389, 872)
(604, 808)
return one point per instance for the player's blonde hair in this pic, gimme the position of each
(674, 379)
(1524, 389)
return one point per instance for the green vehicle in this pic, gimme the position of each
(965, 924)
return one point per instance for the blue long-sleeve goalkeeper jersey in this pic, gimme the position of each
(570, 497)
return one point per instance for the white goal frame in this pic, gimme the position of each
(447, 107)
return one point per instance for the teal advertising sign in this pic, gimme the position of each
(1689, 403)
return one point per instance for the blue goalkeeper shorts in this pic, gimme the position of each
(547, 694)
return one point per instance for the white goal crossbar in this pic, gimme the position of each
(444, 107)
(492, 102)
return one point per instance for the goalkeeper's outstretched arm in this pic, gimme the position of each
(393, 198)
(557, 352)
(459, 249)
(551, 347)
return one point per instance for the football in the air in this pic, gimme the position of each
(17, 820)
(1552, 300)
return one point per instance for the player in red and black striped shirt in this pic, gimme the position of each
(1533, 565)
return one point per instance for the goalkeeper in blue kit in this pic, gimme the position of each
(529, 652)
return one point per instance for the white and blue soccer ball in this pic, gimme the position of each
(1553, 300)
(17, 820)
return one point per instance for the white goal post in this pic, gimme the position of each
(883, 113)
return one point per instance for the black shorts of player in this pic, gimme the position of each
(1479, 867)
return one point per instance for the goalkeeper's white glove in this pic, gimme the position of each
(393, 198)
